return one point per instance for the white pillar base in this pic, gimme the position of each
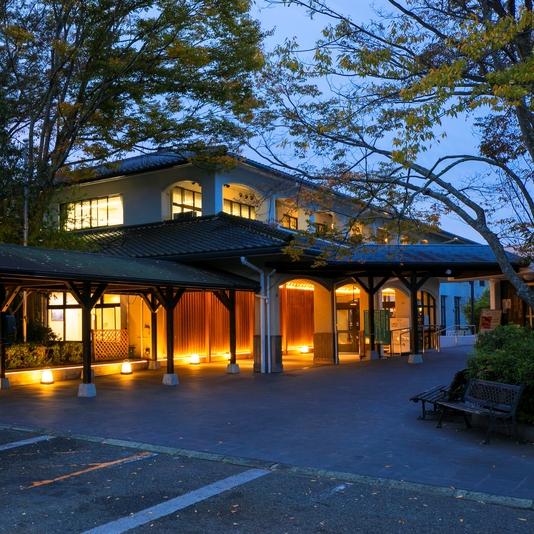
(4, 383)
(86, 390)
(170, 379)
(373, 355)
(154, 364)
(415, 358)
(232, 369)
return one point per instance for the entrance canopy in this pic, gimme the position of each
(32, 268)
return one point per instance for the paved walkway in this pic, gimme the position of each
(355, 418)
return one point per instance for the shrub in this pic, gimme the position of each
(24, 355)
(506, 355)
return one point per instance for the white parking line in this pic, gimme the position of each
(16, 444)
(178, 503)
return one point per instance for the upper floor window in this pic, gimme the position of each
(93, 212)
(290, 222)
(239, 209)
(185, 200)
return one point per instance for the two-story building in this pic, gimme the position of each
(242, 221)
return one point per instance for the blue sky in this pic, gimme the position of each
(290, 21)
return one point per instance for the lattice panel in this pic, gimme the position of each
(490, 394)
(110, 344)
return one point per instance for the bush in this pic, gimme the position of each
(24, 355)
(506, 355)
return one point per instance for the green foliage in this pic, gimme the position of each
(29, 355)
(506, 355)
(367, 112)
(482, 303)
(84, 81)
(39, 333)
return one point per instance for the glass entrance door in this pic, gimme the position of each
(348, 326)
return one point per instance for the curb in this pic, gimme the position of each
(444, 491)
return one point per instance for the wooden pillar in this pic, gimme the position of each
(233, 335)
(168, 298)
(2, 335)
(154, 334)
(87, 300)
(228, 301)
(413, 306)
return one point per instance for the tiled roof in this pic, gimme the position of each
(31, 263)
(186, 238)
(475, 255)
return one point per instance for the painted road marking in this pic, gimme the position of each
(178, 503)
(103, 465)
(16, 444)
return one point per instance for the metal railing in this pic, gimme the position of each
(458, 330)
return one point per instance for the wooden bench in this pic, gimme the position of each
(433, 395)
(440, 393)
(489, 399)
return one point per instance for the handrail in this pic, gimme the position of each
(460, 327)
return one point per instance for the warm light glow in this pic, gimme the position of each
(348, 290)
(388, 291)
(303, 286)
(228, 356)
(304, 349)
(194, 359)
(126, 368)
(47, 377)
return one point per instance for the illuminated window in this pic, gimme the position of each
(239, 209)
(93, 212)
(185, 201)
(290, 222)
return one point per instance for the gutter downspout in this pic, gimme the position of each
(268, 306)
(263, 298)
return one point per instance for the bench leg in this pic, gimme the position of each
(517, 434)
(424, 414)
(441, 415)
(467, 422)
(490, 428)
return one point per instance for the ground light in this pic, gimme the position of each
(194, 359)
(126, 368)
(304, 349)
(47, 377)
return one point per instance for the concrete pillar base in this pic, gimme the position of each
(415, 358)
(170, 379)
(232, 369)
(86, 390)
(373, 355)
(92, 374)
(154, 364)
(4, 383)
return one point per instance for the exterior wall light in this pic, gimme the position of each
(47, 377)
(194, 359)
(126, 368)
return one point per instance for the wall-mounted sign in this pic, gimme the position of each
(489, 319)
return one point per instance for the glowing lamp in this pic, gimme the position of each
(304, 349)
(126, 368)
(47, 377)
(194, 359)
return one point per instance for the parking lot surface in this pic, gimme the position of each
(84, 485)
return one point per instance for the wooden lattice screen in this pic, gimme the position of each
(110, 344)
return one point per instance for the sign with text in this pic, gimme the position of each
(489, 319)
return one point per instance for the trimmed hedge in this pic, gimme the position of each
(506, 355)
(25, 355)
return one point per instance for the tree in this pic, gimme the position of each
(365, 112)
(482, 303)
(84, 81)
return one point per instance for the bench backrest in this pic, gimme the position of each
(502, 397)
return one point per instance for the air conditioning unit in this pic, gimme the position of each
(185, 215)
